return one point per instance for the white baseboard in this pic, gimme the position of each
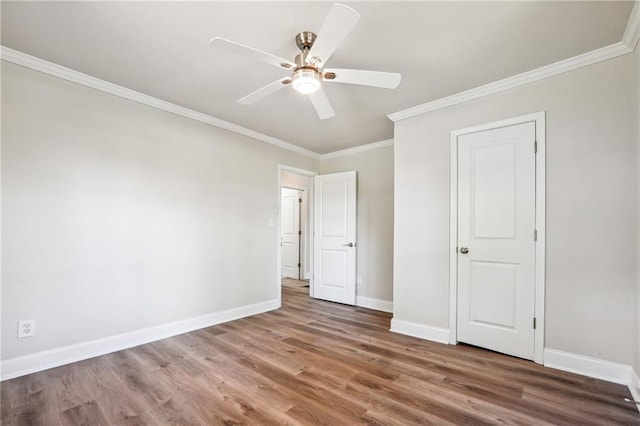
(587, 366)
(376, 304)
(436, 334)
(593, 367)
(22, 365)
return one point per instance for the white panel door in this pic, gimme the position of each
(289, 232)
(496, 246)
(335, 237)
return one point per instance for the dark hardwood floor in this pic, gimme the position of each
(311, 362)
(295, 284)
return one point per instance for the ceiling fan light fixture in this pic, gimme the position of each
(305, 81)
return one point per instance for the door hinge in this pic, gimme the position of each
(299, 265)
(300, 200)
(535, 147)
(535, 235)
(299, 232)
(534, 323)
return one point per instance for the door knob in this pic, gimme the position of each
(464, 250)
(348, 245)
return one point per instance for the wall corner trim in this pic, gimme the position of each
(422, 331)
(375, 304)
(46, 67)
(44, 360)
(632, 31)
(566, 65)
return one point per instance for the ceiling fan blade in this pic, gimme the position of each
(321, 104)
(336, 26)
(265, 91)
(386, 80)
(250, 52)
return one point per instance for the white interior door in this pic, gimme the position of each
(290, 229)
(335, 237)
(496, 239)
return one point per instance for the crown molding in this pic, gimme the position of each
(629, 42)
(357, 149)
(46, 67)
(632, 31)
(626, 45)
(570, 64)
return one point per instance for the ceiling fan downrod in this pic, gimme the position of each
(304, 41)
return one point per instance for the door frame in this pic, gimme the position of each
(539, 275)
(306, 173)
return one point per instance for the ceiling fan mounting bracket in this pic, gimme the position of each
(305, 39)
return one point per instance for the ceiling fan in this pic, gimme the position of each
(308, 70)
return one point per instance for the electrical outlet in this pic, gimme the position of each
(26, 328)
(359, 280)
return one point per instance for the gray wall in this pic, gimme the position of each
(375, 218)
(117, 216)
(592, 207)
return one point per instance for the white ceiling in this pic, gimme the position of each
(440, 48)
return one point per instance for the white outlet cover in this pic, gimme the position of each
(26, 328)
(358, 279)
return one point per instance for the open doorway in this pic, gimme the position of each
(294, 237)
(294, 230)
(328, 223)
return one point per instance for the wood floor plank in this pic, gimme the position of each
(311, 362)
(251, 384)
(88, 413)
